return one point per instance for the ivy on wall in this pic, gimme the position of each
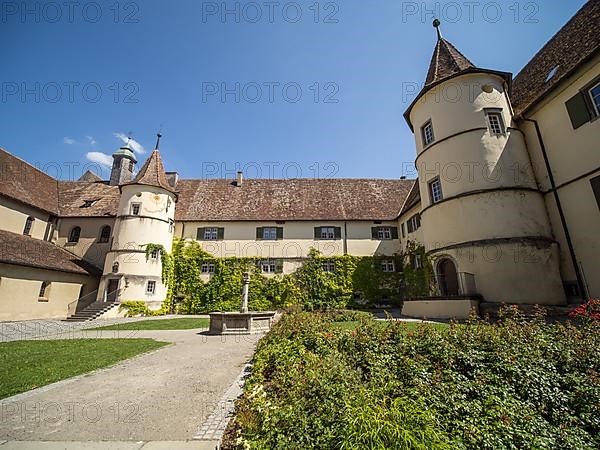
(353, 280)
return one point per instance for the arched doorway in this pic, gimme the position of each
(448, 278)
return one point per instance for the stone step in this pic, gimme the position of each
(92, 312)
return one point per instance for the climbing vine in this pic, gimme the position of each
(418, 279)
(321, 282)
(165, 259)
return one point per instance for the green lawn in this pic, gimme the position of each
(160, 324)
(410, 326)
(26, 365)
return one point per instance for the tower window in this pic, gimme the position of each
(74, 235)
(131, 166)
(427, 133)
(154, 254)
(595, 96)
(104, 235)
(135, 209)
(435, 190)
(495, 122)
(43, 290)
(151, 288)
(28, 225)
(115, 267)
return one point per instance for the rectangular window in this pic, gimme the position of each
(327, 233)
(151, 288)
(416, 262)
(596, 188)
(207, 268)
(435, 190)
(154, 254)
(427, 133)
(495, 122)
(384, 234)
(211, 234)
(328, 266)
(268, 267)
(594, 93)
(414, 223)
(388, 266)
(269, 234)
(135, 209)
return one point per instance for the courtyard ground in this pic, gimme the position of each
(164, 395)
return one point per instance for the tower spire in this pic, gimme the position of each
(158, 136)
(436, 25)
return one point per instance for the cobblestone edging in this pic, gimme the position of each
(214, 426)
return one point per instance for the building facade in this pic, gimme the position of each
(507, 203)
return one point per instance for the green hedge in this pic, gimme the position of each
(512, 385)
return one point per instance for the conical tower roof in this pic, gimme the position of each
(153, 173)
(446, 62)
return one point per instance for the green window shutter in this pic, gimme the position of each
(374, 233)
(279, 232)
(338, 232)
(596, 188)
(317, 233)
(394, 232)
(578, 110)
(279, 266)
(200, 234)
(220, 234)
(259, 233)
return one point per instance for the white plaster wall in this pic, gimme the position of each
(13, 216)
(298, 238)
(88, 247)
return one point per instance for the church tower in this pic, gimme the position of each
(145, 216)
(123, 164)
(484, 219)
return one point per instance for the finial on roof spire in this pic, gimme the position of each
(158, 136)
(436, 25)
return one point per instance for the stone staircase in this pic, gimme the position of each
(91, 312)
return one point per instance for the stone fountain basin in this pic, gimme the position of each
(241, 323)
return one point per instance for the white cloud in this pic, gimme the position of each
(69, 141)
(100, 158)
(91, 140)
(135, 145)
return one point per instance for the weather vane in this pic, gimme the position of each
(436, 25)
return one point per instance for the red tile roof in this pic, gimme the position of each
(74, 194)
(292, 199)
(26, 251)
(575, 44)
(152, 173)
(446, 62)
(23, 182)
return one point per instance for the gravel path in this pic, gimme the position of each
(165, 395)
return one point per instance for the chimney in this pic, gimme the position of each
(240, 178)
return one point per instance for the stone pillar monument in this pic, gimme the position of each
(245, 287)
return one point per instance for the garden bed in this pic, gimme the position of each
(514, 384)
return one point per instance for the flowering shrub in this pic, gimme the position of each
(591, 310)
(512, 385)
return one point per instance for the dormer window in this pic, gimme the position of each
(495, 122)
(427, 134)
(88, 203)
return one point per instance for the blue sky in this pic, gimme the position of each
(321, 86)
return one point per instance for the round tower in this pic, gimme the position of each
(484, 219)
(145, 216)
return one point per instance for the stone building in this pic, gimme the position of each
(507, 203)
